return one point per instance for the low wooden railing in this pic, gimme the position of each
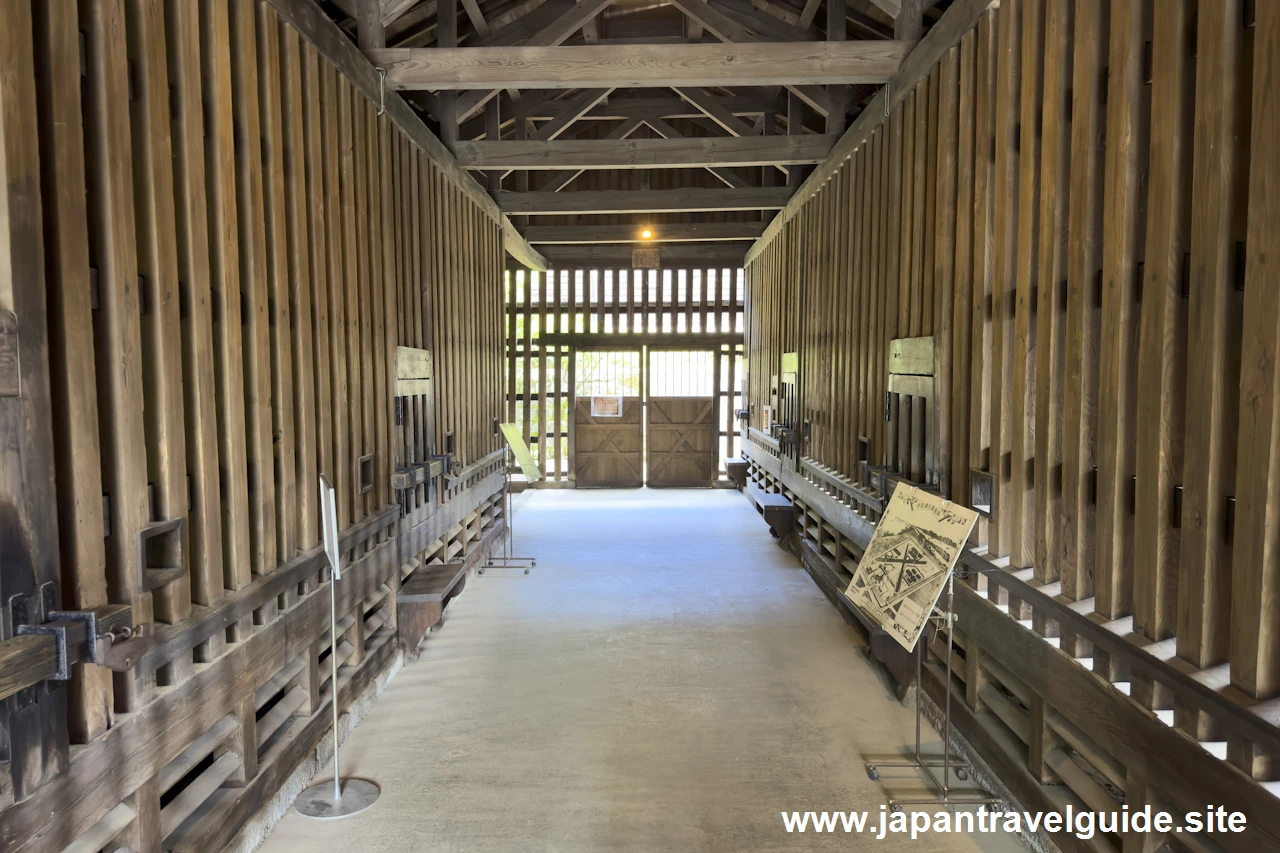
(1051, 723)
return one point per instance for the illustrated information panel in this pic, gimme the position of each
(907, 563)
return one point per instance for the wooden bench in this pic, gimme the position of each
(422, 598)
(736, 468)
(777, 510)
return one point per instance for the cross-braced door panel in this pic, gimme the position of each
(609, 450)
(682, 441)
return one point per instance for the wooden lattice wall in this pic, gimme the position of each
(550, 315)
(1077, 202)
(213, 242)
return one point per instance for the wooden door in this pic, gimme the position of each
(682, 441)
(609, 451)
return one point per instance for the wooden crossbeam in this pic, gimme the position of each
(665, 130)
(643, 201)
(644, 153)
(702, 232)
(560, 180)
(645, 66)
(547, 26)
(702, 255)
(571, 109)
(663, 106)
(518, 247)
(709, 106)
(727, 29)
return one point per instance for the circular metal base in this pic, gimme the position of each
(318, 802)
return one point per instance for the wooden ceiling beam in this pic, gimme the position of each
(686, 200)
(645, 153)
(702, 232)
(727, 176)
(393, 9)
(799, 64)
(477, 18)
(708, 105)
(613, 257)
(765, 24)
(547, 26)
(560, 180)
(730, 31)
(571, 109)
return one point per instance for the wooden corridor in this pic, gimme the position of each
(1017, 253)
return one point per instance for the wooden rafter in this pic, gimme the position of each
(702, 255)
(728, 30)
(727, 176)
(755, 64)
(708, 105)
(645, 153)
(560, 180)
(702, 232)
(547, 26)
(643, 201)
(572, 109)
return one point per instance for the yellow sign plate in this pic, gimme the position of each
(521, 450)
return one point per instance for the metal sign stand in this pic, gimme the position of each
(346, 796)
(508, 560)
(948, 761)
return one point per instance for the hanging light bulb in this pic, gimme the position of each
(646, 234)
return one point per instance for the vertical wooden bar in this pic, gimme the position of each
(526, 356)
(944, 261)
(1004, 251)
(117, 325)
(71, 355)
(1055, 142)
(887, 449)
(1220, 191)
(543, 394)
(962, 308)
(294, 153)
(1162, 347)
(280, 307)
(980, 454)
(900, 405)
(191, 219)
(1079, 407)
(253, 279)
(1255, 640)
(318, 239)
(224, 251)
(158, 281)
(1020, 508)
(1124, 206)
(34, 731)
(330, 119)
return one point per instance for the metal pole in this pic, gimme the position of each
(946, 725)
(333, 662)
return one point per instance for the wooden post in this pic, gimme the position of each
(446, 36)
(370, 33)
(36, 719)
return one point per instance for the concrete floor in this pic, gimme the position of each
(667, 679)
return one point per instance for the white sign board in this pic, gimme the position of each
(329, 524)
(907, 564)
(606, 406)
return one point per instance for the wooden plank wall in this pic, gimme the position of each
(611, 304)
(1072, 201)
(214, 243)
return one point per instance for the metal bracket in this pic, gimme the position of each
(90, 618)
(59, 633)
